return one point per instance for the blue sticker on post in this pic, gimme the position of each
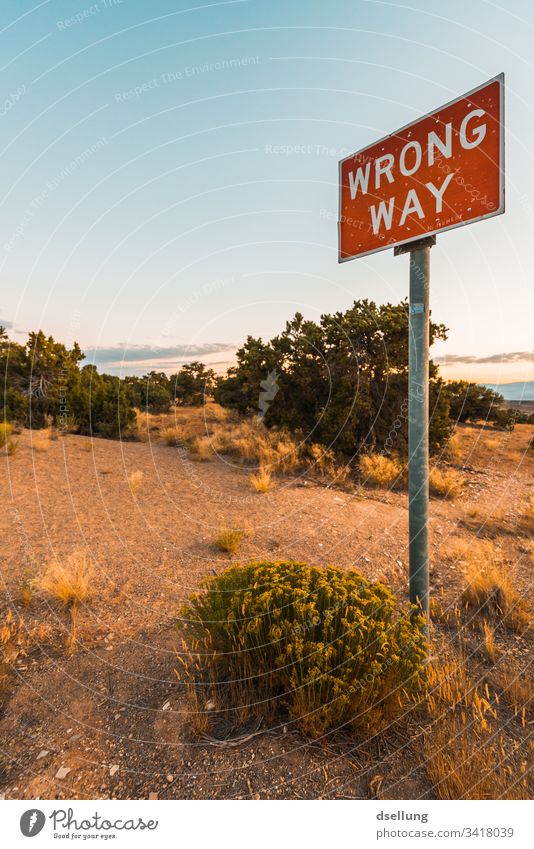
(415, 309)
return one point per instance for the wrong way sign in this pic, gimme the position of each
(442, 171)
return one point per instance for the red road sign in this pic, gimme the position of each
(442, 171)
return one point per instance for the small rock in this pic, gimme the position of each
(170, 778)
(152, 797)
(166, 706)
(62, 772)
(42, 754)
(114, 769)
(210, 705)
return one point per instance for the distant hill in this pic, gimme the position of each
(522, 391)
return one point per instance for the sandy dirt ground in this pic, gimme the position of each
(108, 720)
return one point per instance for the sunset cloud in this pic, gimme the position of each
(125, 358)
(510, 357)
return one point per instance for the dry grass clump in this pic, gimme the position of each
(486, 523)
(7, 443)
(517, 687)
(135, 480)
(69, 582)
(465, 756)
(525, 520)
(229, 539)
(212, 430)
(26, 593)
(490, 647)
(490, 586)
(454, 450)
(445, 483)
(172, 435)
(201, 448)
(41, 439)
(10, 645)
(261, 481)
(18, 637)
(322, 461)
(381, 471)
(87, 445)
(251, 442)
(498, 521)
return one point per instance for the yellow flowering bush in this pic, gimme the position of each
(327, 647)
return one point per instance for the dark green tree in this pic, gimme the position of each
(101, 405)
(193, 384)
(152, 392)
(342, 381)
(471, 401)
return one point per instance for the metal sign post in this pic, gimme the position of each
(442, 171)
(418, 410)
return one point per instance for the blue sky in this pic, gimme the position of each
(170, 171)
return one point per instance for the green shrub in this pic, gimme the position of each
(328, 647)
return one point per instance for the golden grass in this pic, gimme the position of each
(212, 430)
(251, 442)
(261, 481)
(490, 647)
(87, 445)
(41, 439)
(525, 521)
(7, 443)
(454, 450)
(171, 435)
(445, 483)
(69, 582)
(229, 539)
(498, 521)
(517, 686)
(6, 429)
(11, 447)
(490, 589)
(201, 449)
(381, 471)
(465, 755)
(26, 593)
(135, 480)
(10, 645)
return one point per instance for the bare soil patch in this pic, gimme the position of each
(110, 711)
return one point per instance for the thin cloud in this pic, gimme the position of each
(147, 353)
(510, 357)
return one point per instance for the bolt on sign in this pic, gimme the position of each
(442, 171)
